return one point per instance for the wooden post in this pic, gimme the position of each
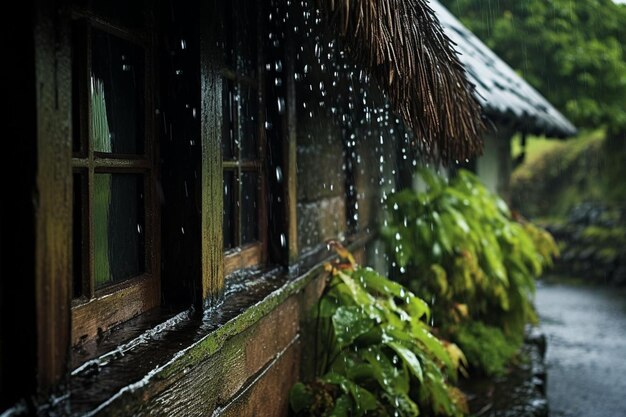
(211, 173)
(290, 157)
(53, 205)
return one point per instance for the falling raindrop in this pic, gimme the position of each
(281, 105)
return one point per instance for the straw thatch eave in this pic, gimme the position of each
(405, 49)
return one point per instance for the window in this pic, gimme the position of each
(243, 139)
(115, 234)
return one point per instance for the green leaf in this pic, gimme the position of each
(419, 334)
(409, 358)
(350, 323)
(359, 295)
(403, 404)
(391, 379)
(342, 407)
(363, 399)
(327, 307)
(300, 397)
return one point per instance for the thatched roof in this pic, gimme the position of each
(504, 95)
(403, 45)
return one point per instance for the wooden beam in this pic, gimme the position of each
(290, 156)
(53, 206)
(211, 172)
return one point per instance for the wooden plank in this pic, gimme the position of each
(211, 172)
(290, 157)
(213, 382)
(247, 256)
(53, 249)
(119, 304)
(273, 382)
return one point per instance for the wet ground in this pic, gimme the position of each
(586, 356)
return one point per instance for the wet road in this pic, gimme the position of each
(586, 356)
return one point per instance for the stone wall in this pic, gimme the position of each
(593, 244)
(321, 207)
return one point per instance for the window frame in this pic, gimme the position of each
(53, 67)
(95, 311)
(249, 254)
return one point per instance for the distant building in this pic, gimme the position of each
(509, 102)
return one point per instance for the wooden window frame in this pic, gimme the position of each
(99, 310)
(252, 254)
(53, 200)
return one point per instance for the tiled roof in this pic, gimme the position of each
(504, 95)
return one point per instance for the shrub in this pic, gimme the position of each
(458, 246)
(376, 353)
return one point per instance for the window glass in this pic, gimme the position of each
(118, 227)
(249, 207)
(230, 114)
(77, 235)
(247, 37)
(117, 95)
(230, 191)
(124, 12)
(249, 124)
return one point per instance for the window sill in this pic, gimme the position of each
(121, 378)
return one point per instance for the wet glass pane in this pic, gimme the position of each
(118, 228)
(230, 116)
(228, 36)
(123, 12)
(77, 236)
(117, 95)
(249, 207)
(78, 34)
(249, 123)
(247, 37)
(230, 192)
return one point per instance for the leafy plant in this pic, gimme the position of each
(376, 354)
(486, 346)
(457, 245)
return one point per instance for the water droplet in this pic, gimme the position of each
(281, 105)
